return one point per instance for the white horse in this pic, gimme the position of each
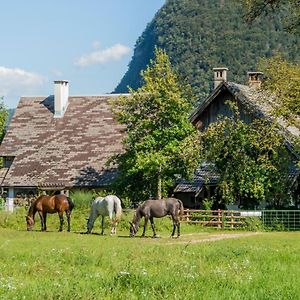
(105, 206)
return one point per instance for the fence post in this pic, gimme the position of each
(231, 219)
(187, 215)
(223, 220)
(219, 218)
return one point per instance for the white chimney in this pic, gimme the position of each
(220, 75)
(255, 79)
(61, 96)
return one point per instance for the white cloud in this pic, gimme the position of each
(14, 78)
(96, 44)
(113, 53)
(15, 82)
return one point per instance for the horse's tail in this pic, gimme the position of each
(71, 203)
(181, 208)
(118, 209)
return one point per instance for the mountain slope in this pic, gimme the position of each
(201, 34)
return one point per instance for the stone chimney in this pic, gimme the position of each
(61, 96)
(255, 79)
(220, 75)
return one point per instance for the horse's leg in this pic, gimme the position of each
(45, 221)
(153, 227)
(174, 225)
(102, 224)
(68, 213)
(178, 228)
(42, 220)
(113, 226)
(112, 223)
(145, 225)
(61, 219)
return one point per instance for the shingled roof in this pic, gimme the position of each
(259, 103)
(205, 174)
(61, 152)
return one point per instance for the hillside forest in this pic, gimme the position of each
(201, 34)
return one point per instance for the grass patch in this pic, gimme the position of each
(61, 265)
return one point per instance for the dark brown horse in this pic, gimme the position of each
(157, 209)
(50, 204)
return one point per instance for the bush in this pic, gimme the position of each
(253, 224)
(2, 202)
(82, 199)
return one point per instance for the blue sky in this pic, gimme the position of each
(89, 43)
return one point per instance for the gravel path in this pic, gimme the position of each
(213, 238)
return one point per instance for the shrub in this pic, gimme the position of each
(82, 199)
(253, 224)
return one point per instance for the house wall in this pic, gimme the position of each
(218, 108)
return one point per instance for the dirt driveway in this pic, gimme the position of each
(192, 238)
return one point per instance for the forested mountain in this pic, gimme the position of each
(201, 34)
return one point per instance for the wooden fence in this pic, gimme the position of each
(231, 219)
(214, 218)
(223, 219)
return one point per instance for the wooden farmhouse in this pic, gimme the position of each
(59, 143)
(252, 103)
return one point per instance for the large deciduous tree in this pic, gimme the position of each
(251, 160)
(282, 80)
(160, 140)
(289, 8)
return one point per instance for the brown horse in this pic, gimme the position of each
(157, 209)
(50, 204)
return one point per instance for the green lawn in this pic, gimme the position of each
(53, 265)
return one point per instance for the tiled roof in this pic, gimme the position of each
(206, 174)
(61, 152)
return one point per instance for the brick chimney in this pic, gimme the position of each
(61, 96)
(255, 79)
(220, 75)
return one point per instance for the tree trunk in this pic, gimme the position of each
(159, 183)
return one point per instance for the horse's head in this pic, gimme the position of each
(30, 223)
(89, 226)
(133, 229)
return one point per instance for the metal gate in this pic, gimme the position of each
(281, 219)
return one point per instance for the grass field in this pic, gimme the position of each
(201, 264)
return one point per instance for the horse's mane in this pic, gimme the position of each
(32, 208)
(137, 215)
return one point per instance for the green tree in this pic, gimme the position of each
(251, 160)
(289, 8)
(282, 79)
(3, 119)
(160, 140)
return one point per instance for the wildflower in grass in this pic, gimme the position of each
(144, 272)
(124, 273)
